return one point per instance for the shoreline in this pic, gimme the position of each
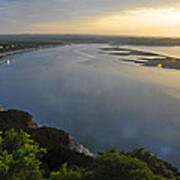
(26, 121)
(10, 53)
(21, 51)
(144, 58)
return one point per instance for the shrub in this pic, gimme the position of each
(66, 174)
(19, 157)
(114, 166)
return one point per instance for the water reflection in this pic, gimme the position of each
(1, 108)
(8, 61)
(104, 104)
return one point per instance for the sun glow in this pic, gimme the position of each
(157, 17)
(151, 22)
(143, 22)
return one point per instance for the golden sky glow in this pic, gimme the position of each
(147, 22)
(117, 17)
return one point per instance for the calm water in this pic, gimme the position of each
(100, 100)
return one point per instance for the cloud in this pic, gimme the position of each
(140, 21)
(21, 16)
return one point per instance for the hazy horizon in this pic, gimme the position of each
(86, 34)
(149, 18)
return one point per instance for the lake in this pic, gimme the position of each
(102, 101)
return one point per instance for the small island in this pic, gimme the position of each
(143, 57)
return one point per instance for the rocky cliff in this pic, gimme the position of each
(61, 147)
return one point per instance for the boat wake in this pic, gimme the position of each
(80, 52)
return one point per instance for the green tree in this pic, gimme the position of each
(19, 157)
(157, 166)
(114, 166)
(66, 173)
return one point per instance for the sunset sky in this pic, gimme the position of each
(116, 17)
